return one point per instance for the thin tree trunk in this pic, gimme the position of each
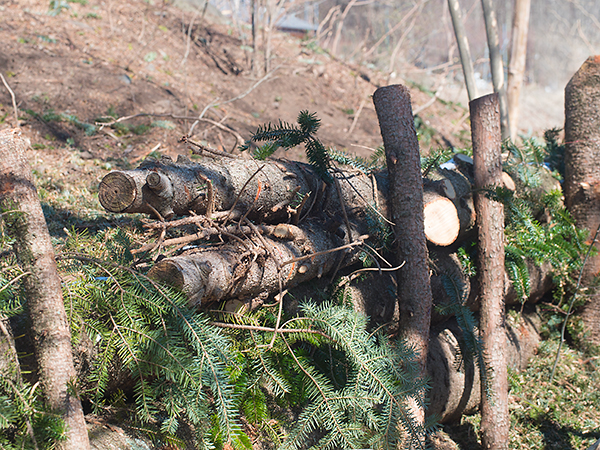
(394, 112)
(50, 328)
(491, 28)
(254, 25)
(582, 173)
(518, 57)
(339, 27)
(487, 159)
(463, 48)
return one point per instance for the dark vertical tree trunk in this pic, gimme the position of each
(25, 223)
(394, 112)
(487, 162)
(582, 173)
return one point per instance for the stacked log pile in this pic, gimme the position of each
(254, 229)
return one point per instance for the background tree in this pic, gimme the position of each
(463, 48)
(518, 57)
(491, 28)
(25, 222)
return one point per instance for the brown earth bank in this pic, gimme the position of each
(101, 61)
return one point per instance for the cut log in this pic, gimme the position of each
(455, 384)
(255, 267)
(441, 219)
(268, 191)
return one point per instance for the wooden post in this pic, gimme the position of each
(487, 161)
(394, 113)
(49, 324)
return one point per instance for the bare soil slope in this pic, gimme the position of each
(93, 61)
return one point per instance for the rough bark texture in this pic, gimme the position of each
(463, 48)
(50, 329)
(491, 28)
(518, 57)
(252, 269)
(487, 158)
(582, 172)
(265, 191)
(394, 112)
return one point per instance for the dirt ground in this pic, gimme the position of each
(178, 72)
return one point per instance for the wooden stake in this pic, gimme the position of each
(487, 162)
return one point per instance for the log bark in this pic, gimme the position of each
(394, 112)
(50, 329)
(487, 157)
(252, 269)
(455, 382)
(582, 174)
(265, 191)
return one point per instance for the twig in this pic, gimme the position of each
(14, 102)
(210, 207)
(364, 199)
(189, 37)
(204, 148)
(375, 269)
(242, 95)
(356, 116)
(241, 191)
(278, 265)
(359, 241)
(430, 102)
(564, 325)
(238, 137)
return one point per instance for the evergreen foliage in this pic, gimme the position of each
(347, 388)
(352, 387)
(556, 239)
(179, 363)
(287, 136)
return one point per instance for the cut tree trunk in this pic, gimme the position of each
(455, 381)
(582, 174)
(270, 192)
(254, 268)
(25, 223)
(394, 112)
(487, 158)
